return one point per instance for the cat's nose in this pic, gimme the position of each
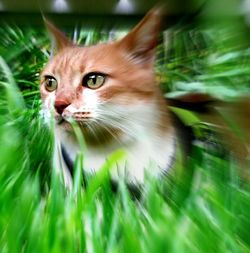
(60, 105)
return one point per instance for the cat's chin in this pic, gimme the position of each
(100, 136)
(67, 124)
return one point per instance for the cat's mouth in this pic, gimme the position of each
(94, 130)
(82, 118)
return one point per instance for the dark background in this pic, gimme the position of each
(96, 12)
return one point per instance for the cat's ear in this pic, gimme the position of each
(140, 43)
(59, 40)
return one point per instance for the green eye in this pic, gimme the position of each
(50, 83)
(94, 80)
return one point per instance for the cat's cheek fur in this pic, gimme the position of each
(90, 98)
(49, 101)
(47, 108)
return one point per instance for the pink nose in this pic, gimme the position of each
(60, 105)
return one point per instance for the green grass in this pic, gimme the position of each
(204, 207)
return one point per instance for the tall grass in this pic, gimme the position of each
(204, 207)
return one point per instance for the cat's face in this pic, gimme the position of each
(103, 86)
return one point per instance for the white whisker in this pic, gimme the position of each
(106, 128)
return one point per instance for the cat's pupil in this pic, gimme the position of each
(50, 83)
(93, 80)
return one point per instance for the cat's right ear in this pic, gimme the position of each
(59, 40)
(140, 43)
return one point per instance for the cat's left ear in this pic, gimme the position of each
(59, 40)
(140, 43)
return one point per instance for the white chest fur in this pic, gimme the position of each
(149, 154)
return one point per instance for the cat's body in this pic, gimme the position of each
(110, 90)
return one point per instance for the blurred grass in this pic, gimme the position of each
(204, 208)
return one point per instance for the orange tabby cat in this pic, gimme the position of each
(111, 91)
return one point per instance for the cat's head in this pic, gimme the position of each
(103, 86)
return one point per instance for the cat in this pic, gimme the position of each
(110, 90)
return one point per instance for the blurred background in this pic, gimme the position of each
(96, 11)
(203, 47)
(67, 12)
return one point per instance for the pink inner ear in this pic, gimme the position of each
(143, 38)
(59, 39)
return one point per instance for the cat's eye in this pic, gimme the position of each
(93, 80)
(50, 83)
